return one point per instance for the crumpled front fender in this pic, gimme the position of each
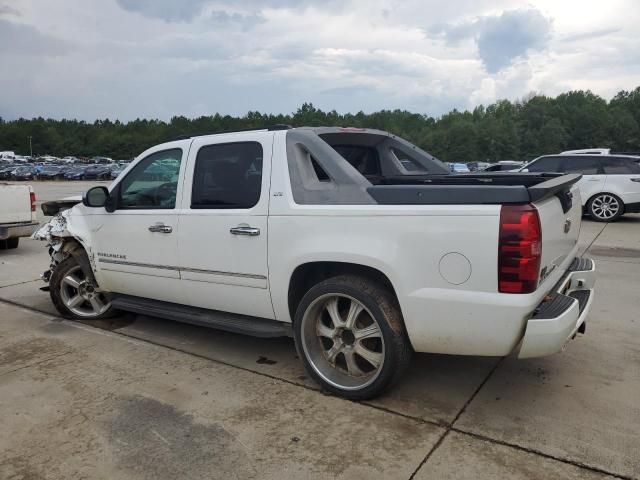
(56, 227)
(65, 235)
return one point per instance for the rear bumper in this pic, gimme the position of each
(14, 230)
(563, 312)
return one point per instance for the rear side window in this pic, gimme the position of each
(408, 163)
(546, 164)
(619, 166)
(588, 165)
(227, 175)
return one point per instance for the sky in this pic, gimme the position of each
(127, 59)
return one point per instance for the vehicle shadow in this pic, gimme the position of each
(434, 388)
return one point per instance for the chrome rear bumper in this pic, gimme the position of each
(563, 312)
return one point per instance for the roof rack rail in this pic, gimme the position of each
(270, 128)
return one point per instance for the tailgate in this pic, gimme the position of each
(560, 218)
(15, 203)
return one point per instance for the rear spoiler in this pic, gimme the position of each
(553, 187)
(443, 190)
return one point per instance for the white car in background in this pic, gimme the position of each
(588, 151)
(610, 184)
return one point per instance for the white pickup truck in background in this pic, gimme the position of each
(360, 245)
(17, 214)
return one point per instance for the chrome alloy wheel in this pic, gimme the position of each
(80, 296)
(342, 341)
(605, 207)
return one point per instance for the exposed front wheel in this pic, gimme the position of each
(350, 336)
(75, 294)
(605, 207)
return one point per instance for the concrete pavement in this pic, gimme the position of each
(141, 397)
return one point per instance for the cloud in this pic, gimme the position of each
(159, 58)
(7, 10)
(501, 39)
(20, 39)
(167, 10)
(603, 32)
(244, 21)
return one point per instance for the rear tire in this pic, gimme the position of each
(350, 336)
(73, 292)
(605, 207)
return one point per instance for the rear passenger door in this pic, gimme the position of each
(592, 180)
(622, 178)
(222, 243)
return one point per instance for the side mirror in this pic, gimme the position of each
(95, 197)
(524, 170)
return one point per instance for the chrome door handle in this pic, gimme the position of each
(241, 230)
(593, 180)
(160, 228)
(635, 179)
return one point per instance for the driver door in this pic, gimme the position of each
(135, 246)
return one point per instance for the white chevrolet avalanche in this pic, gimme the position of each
(360, 245)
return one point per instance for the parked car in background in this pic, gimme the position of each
(75, 173)
(50, 172)
(97, 172)
(70, 159)
(24, 172)
(100, 160)
(6, 172)
(116, 171)
(504, 166)
(588, 151)
(610, 184)
(17, 214)
(476, 166)
(459, 168)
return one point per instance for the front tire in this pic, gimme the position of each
(74, 292)
(350, 336)
(605, 207)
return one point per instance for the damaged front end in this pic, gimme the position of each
(61, 242)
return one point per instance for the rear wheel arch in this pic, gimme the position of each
(306, 275)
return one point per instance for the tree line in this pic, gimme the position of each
(505, 130)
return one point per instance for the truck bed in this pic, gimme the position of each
(478, 188)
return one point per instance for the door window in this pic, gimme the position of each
(619, 166)
(227, 175)
(545, 164)
(152, 183)
(589, 165)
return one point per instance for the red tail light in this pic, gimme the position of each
(32, 196)
(519, 249)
